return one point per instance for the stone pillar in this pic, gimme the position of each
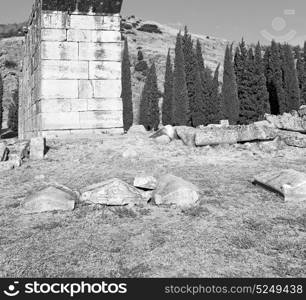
(72, 69)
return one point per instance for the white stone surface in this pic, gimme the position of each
(58, 35)
(59, 50)
(105, 104)
(64, 120)
(54, 20)
(61, 69)
(100, 51)
(59, 89)
(95, 36)
(105, 70)
(101, 119)
(107, 88)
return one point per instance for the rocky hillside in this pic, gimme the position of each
(152, 38)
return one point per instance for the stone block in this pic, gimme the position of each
(63, 120)
(55, 105)
(79, 105)
(107, 88)
(85, 22)
(59, 89)
(58, 35)
(56, 69)
(95, 36)
(54, 19)
(111, 23)
(105, 104)
(101, 119)
(37, 148)
(59, 50)
(100, 51)
(85, 89)
(108, 70)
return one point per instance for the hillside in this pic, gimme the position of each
(154, 47)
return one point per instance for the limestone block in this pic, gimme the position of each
(64, 120)
(100, 51)
(56, 69)
(59, 89)
(111, 23)
(104, 70)
(85, 22)
(37, 148)
(107, 88)
(59, 50)
(58, 35)
(105, 104)
(54, 19)
(95, 36)
(79, 105)
(85, 89)
(55, 105)
(101, 119)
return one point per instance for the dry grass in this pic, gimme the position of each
(238, 230)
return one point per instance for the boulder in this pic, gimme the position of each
(224, 123)
(216, 136)
(288, 122)
(272, 146)
(256, 132)
(6, 166)
(291, 184)
(52, 198)
(186, 134)
(37, 148)
(163, 140)
(168, 130)
(172, 190)
(4, 151)
(113, 192)
(293, 139)
(145, 182)
(302, 111)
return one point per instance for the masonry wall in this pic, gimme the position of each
(71, 74)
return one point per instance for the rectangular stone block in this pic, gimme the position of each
(85, 22)
(86, 90)
(111, 23)
(79, 105)
(59, 50)
(64, 120)
(95, 36)
(55, 105)
(101, 119)
(105, 70)
(58, 35)
(54, 19)
(51, 89)
(100, 51)
(57, 69)
(105, 104)
(107, 88)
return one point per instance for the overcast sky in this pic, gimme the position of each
(231, 19)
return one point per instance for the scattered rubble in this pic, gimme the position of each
(290, 122)
(145, 182)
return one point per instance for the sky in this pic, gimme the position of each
(263, 20)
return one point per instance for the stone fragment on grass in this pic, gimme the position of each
(289, 183)
(145, 182)
(37, 148)
(163, 140)
(293, 139)
(113, 192)
(187, 135)
(172, 190)
(129, 153)
(167, 130)
(216, 136)
(6, 166)
(4, 151)
(137, 129)
(288, 122)
(52, 198)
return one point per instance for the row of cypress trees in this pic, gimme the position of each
(253, 84)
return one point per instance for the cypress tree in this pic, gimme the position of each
(262, 95)
(126, 89)
(274, 76)
(290, 80)
(300, 68)
(12, 122)
(216, 113)
(303, 79)
(230, 101)
(149, 106)
(180, 94)
(1, 102)
(167, 109)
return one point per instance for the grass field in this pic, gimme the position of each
(238, 230)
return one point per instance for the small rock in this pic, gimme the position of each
(302, 111)
(137, 129)
(6, 166)
(224, 123)
(52, 198)
(39, 177)
(37, 148)
(168, 130)
(130, 153)
(4, 151)
(163, 140)
(145, 182)
(293, 139)
(172, 190)
(187, 135)
(113, 192)
(271, 146)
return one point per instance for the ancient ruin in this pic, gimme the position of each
(71, 69)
